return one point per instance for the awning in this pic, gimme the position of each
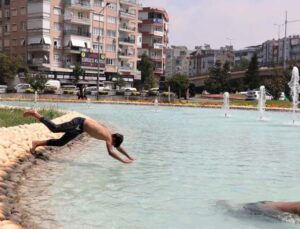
(78, 43)
(47, 40)
(34, 40)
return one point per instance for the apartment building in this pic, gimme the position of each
(177, 61)
(54, 35)
(154, 28)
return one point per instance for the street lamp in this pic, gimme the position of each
(98, 75)
(285, 34)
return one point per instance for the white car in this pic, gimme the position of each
(3, 89)
(21, 87)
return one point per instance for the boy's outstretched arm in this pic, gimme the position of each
(123, 151)
(114, 155)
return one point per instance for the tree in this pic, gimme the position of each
(120, 81)
(146, 68)
(219, 77)
(243, 65)
(179, 83)
(8, 68)
(77, 72)
(150, 82)
(37, 82)
(252, 80)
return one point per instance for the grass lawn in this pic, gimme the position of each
(14, 117)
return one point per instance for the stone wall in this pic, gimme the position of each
(15, 143)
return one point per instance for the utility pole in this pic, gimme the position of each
(284, 41)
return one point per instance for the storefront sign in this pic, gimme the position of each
(91, 60)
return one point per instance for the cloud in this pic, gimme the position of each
(246, 22)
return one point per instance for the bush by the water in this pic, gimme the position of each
(14, 117)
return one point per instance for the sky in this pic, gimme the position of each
(241, 23)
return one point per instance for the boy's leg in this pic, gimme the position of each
(64, 127)
(67, 137)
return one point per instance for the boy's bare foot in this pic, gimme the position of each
(34, 145)
(32, 113)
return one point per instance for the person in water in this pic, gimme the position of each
(76, 127)
(275, 210)
(287, 207)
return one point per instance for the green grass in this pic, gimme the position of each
(14, 117)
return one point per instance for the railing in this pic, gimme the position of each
(75, 19)
(126, 13)
(129, 1)
(131, 28)
(38, 47)
(79, 3)
(78, 33)
(127, 40)
(126, 68)
(128, 54)
(38, 61)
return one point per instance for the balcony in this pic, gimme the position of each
(37, 61)
(77, 33)
(126, 55)
(129, 2)
(38, 47)
(127, 28)
(126, 14)
(158, 33)
(158, 46)
(79, 4)
(126, 41)
(125, 68)
(156, 58)
(77, 20)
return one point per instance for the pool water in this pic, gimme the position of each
(187, 160)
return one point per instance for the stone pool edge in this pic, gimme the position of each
(15, 158)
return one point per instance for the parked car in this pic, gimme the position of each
(254, 95)
(69, 89)
(21, 87)
(3, 89)
(53, 87)
(126, 91)
(153, 91)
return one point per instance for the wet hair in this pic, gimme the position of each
(117, 139)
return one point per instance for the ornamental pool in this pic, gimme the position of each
(187, 160)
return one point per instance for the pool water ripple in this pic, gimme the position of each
(187, 159)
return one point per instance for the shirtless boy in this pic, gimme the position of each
(76, 127)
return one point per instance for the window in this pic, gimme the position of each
(23, 26)
(110, 48)
(96, 46)
(6, 28)
(98, 31)
(111, 33)
(23, 11)
(22, 42)
(112, 6)
(57, 43)
(98, 2)
(57, 11)
(14, 12)
(98, 17)
(7, 13)
(57, 26)
(110, 61)
(14, 27)
(57, 58)
(112, 20)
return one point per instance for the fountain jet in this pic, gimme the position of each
(294, 85)
(262, 102)
(226, 104)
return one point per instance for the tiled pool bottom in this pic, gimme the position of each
(187, 159)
